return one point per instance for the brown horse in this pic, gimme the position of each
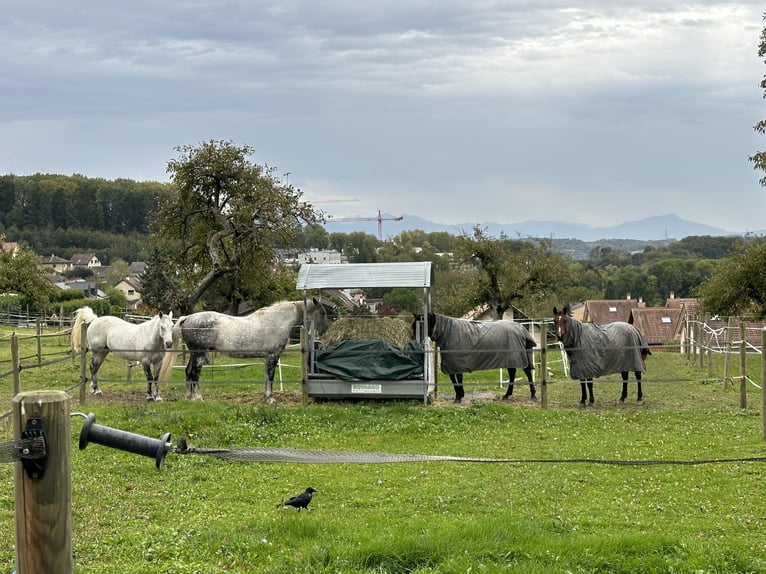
(597, 350)
(468, 346)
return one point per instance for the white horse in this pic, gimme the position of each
(262, 333)
(145, 343)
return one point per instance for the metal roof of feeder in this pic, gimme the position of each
(357, 275)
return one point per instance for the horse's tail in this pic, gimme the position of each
(170, 354)
(645, 352)
(83, 315)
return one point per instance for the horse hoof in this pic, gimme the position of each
(591, 405)
(533, 399)
(149, 398)
(198, 397)
(158, 399)
(97, 392)
(640, 402)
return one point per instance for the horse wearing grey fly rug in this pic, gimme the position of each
(468, 346)
(597, 350)
(262, 333)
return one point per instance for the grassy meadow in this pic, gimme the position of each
(199, 514)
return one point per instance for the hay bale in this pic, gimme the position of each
(392, 330)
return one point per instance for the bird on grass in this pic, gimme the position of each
(300, 501)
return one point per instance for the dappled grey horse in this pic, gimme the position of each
(597, 350)
(263, 333)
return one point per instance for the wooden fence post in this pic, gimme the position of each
(743, 365)
(727, 355)
(39, 331)
(44, 503)
(15, 364)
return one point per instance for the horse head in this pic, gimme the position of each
(560, 319)
(322, 314)
(165, 330)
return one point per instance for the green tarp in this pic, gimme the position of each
(371, 360)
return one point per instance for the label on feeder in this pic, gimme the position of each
(366, 388)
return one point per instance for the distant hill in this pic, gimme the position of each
(660, 227)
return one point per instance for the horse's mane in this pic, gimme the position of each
(275, 306)
(286, 304)
(575, 330)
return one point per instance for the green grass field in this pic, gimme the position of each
(202, 514)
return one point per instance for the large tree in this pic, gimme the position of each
(510, 272)
(738, 286)
(221, 226)
(759, 158)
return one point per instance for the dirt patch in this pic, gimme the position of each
(482, 397)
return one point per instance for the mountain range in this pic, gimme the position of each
(660, 227)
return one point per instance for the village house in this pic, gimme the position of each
(55, 264)
(130, 287)
(658, 325)
(88, 260)
(603, 311)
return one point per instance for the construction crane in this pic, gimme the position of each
(380, 219)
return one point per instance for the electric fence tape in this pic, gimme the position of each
(35, 448)
(335, 457)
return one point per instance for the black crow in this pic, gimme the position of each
(300, 501)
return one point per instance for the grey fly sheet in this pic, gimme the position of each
(468, 346)
(598, 350)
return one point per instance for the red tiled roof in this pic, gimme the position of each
(606, 311)
(690, 305)
(658, 325)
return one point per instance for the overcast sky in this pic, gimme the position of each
(458, 111)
